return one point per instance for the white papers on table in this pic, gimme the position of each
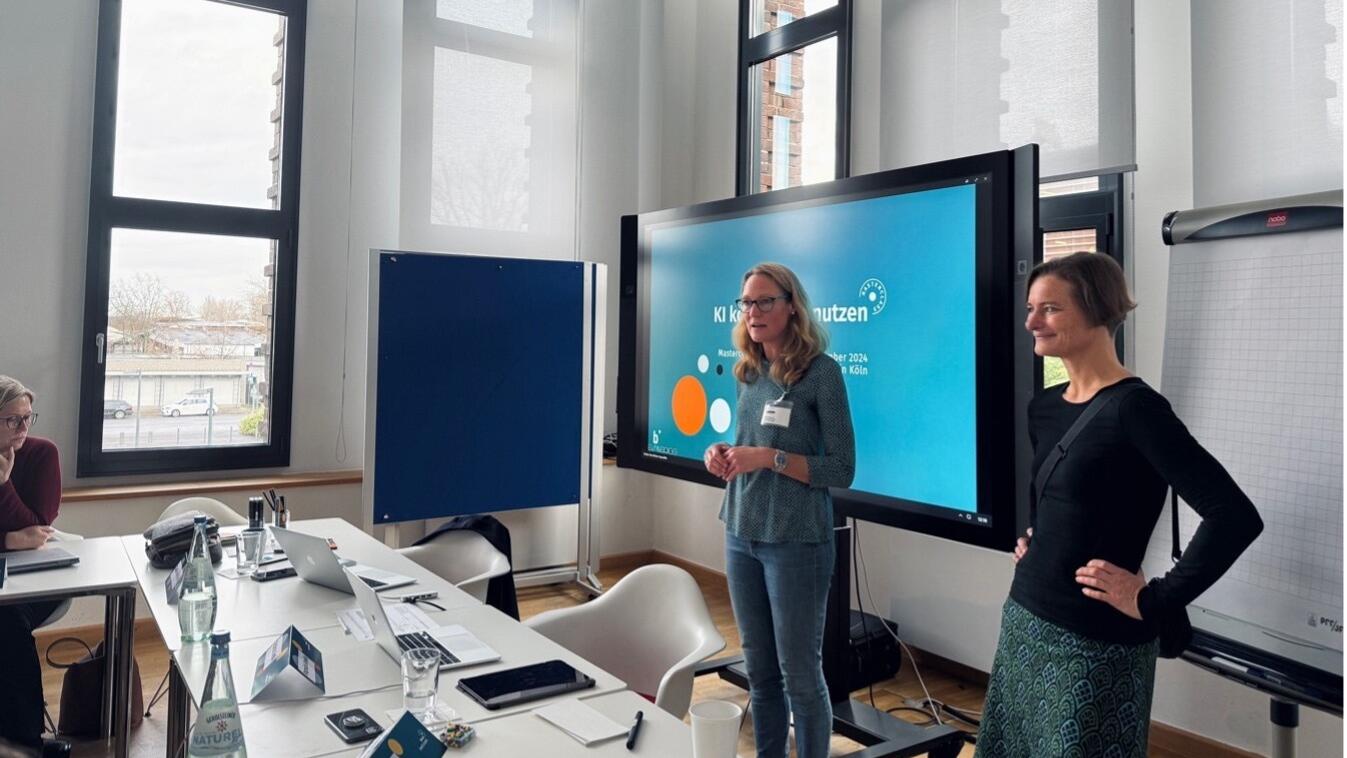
(581, 722)
(354, 622)
(405, 618)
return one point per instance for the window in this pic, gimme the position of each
(489, 126)
(1080, 216)
(193, 224)
(794, 93)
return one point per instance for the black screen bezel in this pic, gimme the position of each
(1006, 248)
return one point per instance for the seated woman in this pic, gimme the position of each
(30, 495)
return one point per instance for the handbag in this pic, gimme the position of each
(82, 691)
(1174, 631)
(167, 541)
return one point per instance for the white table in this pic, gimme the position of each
(251, 609)
(358, 673)
(262, 610)
(103, 570)
(661, 735)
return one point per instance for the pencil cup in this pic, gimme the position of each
(715, 729)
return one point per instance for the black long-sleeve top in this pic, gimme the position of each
(1103, 500)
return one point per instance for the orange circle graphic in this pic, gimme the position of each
(689, 405)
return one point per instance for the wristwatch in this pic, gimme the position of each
(779, 462)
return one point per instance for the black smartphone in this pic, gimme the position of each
(353, 726)
(267, 574)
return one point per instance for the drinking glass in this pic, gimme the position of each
(248, 550)
(420, 680)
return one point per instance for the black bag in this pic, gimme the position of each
(1174, 630)
(167, 541)
(82, 691)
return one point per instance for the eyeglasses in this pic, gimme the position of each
(765, 304)
(14, 422)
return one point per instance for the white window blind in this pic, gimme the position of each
(969, 76)
(1267, 98)
(489, 123)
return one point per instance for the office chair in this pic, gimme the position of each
(223, 514)
(463, 558)
(650, 630)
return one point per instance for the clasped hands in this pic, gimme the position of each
(1102, 581)
(727, 462)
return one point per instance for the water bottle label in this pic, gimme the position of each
(218, 730)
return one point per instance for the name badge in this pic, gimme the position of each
(777, 413)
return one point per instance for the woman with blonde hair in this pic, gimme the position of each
(30, 496)
(793, 440)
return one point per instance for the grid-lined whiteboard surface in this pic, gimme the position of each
(1253, 366)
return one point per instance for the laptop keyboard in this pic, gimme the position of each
(422, 639)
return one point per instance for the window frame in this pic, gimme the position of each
(1101, 210)
(755, 49)
(108, 211)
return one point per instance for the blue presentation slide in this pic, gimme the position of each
(891, 279)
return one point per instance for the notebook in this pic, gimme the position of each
(581, 722)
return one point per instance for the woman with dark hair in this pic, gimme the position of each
(1075, 663)
(793, 440)
(30, 495)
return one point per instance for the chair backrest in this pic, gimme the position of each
(650, 630)
(462, 557)
(223, 514)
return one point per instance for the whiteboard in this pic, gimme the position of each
(1253, 366)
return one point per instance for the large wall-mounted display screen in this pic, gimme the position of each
(910, 272)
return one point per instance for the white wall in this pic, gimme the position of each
(946, 596)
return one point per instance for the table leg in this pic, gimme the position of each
(111, 628)
(179, 712)
(125, 661)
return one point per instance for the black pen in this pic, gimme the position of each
(635, 730)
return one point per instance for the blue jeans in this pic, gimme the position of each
(780, 596)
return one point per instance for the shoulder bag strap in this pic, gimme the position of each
(1175, 552)
(1101, 399)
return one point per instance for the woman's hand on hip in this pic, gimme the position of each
(28, 538)
(1022, 544)
(714, 458)
(741, 460)
(1112, 584)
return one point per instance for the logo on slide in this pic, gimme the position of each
(876, 294)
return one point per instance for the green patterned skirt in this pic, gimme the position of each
(1058, 694)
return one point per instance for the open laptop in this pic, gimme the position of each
(21, 561)
(315, 562)
(458, 647)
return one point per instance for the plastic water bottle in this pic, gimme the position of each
(218, 731)
(196, 596)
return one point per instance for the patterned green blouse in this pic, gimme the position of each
(769, 507)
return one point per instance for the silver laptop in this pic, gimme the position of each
(22, 561)
(458, 647)
(315, 562)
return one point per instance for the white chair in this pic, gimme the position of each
(464, 558)
(650, 630)
(223, 514)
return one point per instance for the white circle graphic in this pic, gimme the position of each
(720, 415)
(703, 363)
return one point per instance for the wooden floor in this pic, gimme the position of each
(148, 740)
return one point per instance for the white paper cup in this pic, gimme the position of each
(715, 729)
